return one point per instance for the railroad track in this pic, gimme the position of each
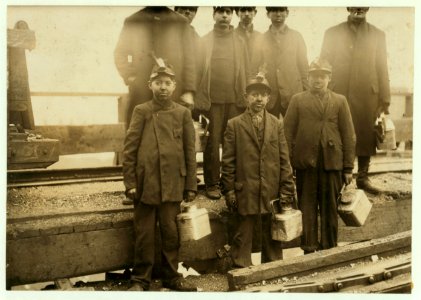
(378, 265)
(40, 177)
(43, 177)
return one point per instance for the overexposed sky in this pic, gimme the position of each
(75, 44)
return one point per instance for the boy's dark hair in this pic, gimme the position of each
(276, 8)
(191, 8)
(217, 8)
(242, 8)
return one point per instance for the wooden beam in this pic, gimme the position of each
(76, 139)
(307, 263)
(45, 258)
(385, 218)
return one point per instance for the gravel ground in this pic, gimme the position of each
(22, 202)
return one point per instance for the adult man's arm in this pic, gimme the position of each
(123, 55)
(382, 75)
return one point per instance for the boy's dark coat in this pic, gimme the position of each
(159, 157)
(257, 174)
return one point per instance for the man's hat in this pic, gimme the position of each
(320, 64)
(161, 68)
(258, 81)
(275, 8)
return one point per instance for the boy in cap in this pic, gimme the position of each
(284, 53)
(255, 170)
(321, 141)
(159, 168)
(221, 89)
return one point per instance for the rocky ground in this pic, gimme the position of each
(44, 200)
(87, 197)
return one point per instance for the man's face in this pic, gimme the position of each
(257, 98)
(246, 15)
(162, 87)
(188, 12)
(278, 17)
(223, 17)
(318, 80)
(357, 14)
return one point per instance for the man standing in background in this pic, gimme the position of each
(221, 89)
(160, 31)
(357, 53)
(283, 53)
(245, 28)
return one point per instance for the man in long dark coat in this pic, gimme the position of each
(167, 34)
(357, 52)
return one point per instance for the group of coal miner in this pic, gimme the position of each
(288, 129)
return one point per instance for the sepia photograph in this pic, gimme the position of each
(163, 147)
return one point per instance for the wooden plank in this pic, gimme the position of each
(46, 258)
(85, 138)
(385, 218)
(300, 264)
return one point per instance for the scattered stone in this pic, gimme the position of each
(374, 258)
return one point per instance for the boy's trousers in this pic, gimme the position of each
(242, 242)
(145, 219)
(317, 191)
(219, 114)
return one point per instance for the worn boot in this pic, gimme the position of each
(213, 192)
(362, 178)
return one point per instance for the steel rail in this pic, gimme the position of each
(45, 177)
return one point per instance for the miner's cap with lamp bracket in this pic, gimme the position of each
(320, 65)
(259, 81)
(161, 68)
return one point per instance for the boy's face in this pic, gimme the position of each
(162, 87)
(318, 80)
(246, 15)
(257, 98)
(278, 17)
(223, 17)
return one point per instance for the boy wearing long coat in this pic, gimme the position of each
(255, 170)
(159, 168)
(321, 141)
(357, 52)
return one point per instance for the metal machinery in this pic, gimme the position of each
(25, 148)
